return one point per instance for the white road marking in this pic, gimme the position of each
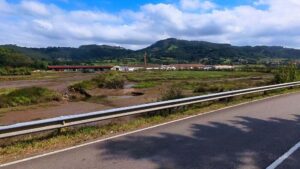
(281, 159)
(136, 131)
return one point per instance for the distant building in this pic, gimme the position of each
(120, 68)
(153, 67)
(208, 67)
(223, 67)
(132, 69)
(188, 66)
(79, 68)
(168, 67)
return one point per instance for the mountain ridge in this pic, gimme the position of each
(165, 51)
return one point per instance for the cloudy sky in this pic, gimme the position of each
(131, 24)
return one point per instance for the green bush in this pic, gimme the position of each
(83, 86)
(28, 96)
(174, 92)
(6, 71)
(112, 80)
(203, 88)
(286, 74)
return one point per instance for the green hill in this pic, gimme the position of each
(162, 52)
(212, 53)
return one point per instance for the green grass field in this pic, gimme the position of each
(146, 84)
(37, 76)
(186, 75)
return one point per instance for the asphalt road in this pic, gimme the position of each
(250, 136)
(292, 162)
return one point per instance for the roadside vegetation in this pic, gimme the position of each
(286, 74)
(174, 92)
(228, 85)
(28, 96)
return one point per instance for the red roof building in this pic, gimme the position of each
(79, 68)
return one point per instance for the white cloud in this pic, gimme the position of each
(32, 23)
(34, 7)
(43, 25)
(5, 7)
(197, 5)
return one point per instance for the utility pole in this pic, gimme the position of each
(145, 60)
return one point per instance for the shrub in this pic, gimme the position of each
(112, 80)
(286, 74)
(6, 71)
(83, 86)
(28, 96)
(174, 92)
(202, 88)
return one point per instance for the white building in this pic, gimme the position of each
(168, 67)
(223, 67)
(132, 69)
(120, 68)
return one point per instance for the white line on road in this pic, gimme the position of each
(136, 131)
(281, 159)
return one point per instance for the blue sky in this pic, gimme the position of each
(119, 5)
(136, 24)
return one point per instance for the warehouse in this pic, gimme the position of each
(79, 68)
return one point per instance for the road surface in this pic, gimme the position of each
(250, 136)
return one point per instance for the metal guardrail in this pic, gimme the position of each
(72, 120)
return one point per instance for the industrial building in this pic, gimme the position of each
(79, 68)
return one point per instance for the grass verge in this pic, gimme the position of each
(31, 145)
(28, 96)
(144, 85)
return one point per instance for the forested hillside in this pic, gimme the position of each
(213, 53)
(162, 52)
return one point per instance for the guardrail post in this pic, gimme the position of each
(60, 130)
